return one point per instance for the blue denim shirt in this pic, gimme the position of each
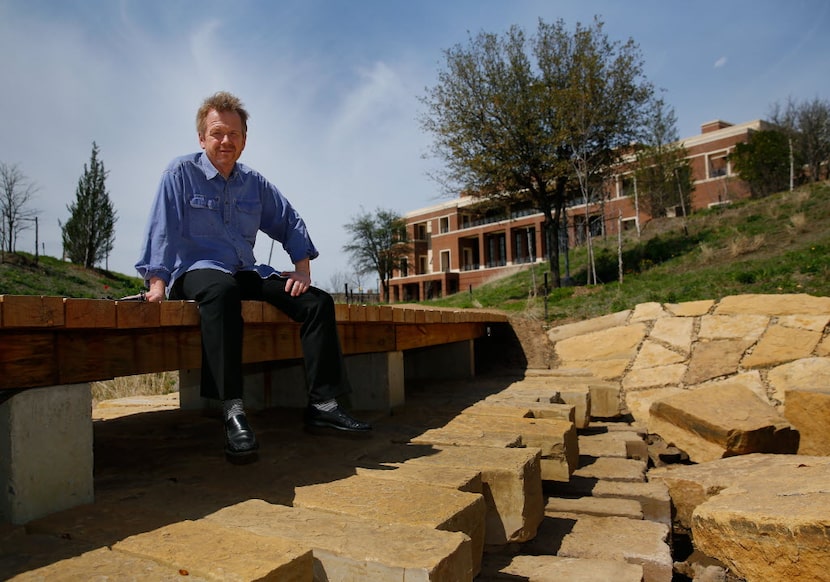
(200, 220)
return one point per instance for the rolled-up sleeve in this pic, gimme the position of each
(282, 222)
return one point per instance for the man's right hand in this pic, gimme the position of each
(156, 291)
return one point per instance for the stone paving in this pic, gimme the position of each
(478, 480)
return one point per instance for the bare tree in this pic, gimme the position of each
(807, 126)
(16, 193)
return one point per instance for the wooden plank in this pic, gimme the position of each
(178, 313)
(264, 343)
(27, 359)
(137, 314)
(89, 313)
(409, 336)
(32, 311)
(252, 311)
(367, 338)
(341, 311)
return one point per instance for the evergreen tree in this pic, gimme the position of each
(763, 162)
(89, 234)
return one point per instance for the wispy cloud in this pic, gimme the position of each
(720, 63)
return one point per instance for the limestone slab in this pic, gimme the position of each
(809, 413)
(743, 327)
(384, 501)
(653, 354)
(606, 399)
(105, 564)
(711, 422)
(714, 358)
(771, 527)
(512, 487)
(473, 437)
(608, 506)
(783, 304)
(517, 405)
(609, 344)
(608, 444)
(648, 311)
(211, 551)
(557, 569)
(638, 402)
(653, 496)
(610, 369)
(801, 374)
(690, 308)
(354, 548)
(691, 485)
(635, 541)
(675, 332)
(671, 375)
(459, 478)
(612, 469)
(556, 438)
(782, 344)
(561, 332)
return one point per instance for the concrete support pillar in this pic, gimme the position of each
(444, 362)
(377, 380)
(46, 462)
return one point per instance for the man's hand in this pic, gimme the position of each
(156, 291)
(297, 282)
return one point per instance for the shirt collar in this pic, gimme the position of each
(210, 170)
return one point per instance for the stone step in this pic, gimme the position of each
(209, 550)
(599, 506)
(389, 501)
(557, 569)
(458, 478)
(468, 437)
(498, 405)
(347, 547)
(621, 539)
(618, 443)
(511, 481)
(556, 439)
(611, 469)
(653, 496)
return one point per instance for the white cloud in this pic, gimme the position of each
(721, 62)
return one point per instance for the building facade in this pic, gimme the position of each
(458, 245)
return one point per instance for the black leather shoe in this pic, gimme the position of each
(239, 437)
(337, 419)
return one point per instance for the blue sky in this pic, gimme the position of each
(332, 88)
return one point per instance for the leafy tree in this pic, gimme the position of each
(807, 125)
(530, 119)
(662, 171)
(16, 192)
(379, 242)
(89, 234)
(763, 162)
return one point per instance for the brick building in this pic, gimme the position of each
(457, 246)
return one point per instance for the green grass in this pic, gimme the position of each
(780, 244)
(20, 274)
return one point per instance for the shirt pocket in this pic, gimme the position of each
(248, 217)
(204, 218)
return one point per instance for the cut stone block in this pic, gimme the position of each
(770, 527)
(602, 507)
(782, 344)
(653, 496)
(512, 487)
(635, 541)
(692, 485)
(385, 500)
(511, 405)
(639, 402)
(209, 550)
(804, 374)
(610, 444)
(809, 412)
(612, 469)
(464, 437)
(458, 478)
(354, 548)
(606, 399)
(557, 439)
(558, 569)
(717, 421)
(595, 324)
(107, 564)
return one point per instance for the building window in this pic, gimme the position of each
(404, 267)
(445, 261)
(717, 165)
(422, 265)
(626, 185)
(420, 231)
(444, 224)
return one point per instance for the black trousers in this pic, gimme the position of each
(220, 296)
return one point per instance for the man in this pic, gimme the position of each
(199, 245)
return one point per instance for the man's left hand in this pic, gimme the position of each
(297, 282)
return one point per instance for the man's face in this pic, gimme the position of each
(223, 139)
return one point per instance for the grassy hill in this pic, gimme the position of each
(779, 244)
(20, 274)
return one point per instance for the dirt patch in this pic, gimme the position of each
(533, 338)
